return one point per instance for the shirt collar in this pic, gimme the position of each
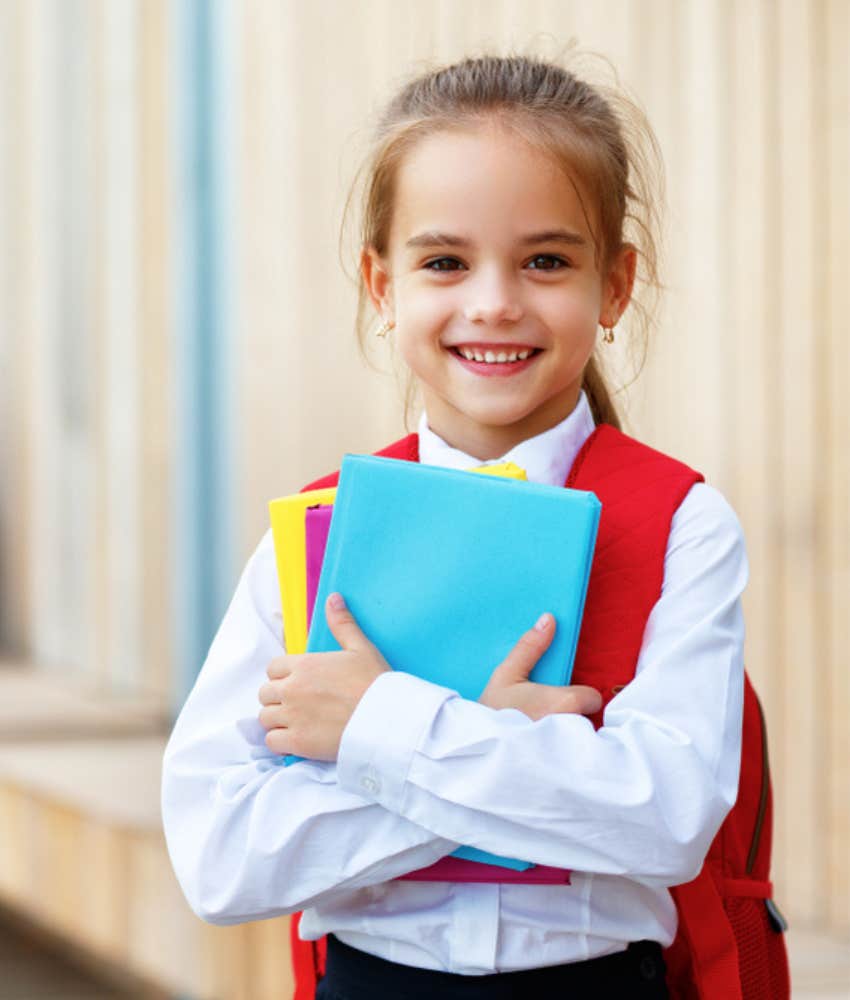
(547, 457)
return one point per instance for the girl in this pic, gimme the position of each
(505, 221)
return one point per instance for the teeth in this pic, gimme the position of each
(492, 357)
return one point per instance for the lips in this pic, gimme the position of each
(495, 359)
(493, 352)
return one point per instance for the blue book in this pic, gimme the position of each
(423, 555)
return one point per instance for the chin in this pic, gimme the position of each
(501, 418)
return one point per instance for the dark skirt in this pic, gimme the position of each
(637, 973)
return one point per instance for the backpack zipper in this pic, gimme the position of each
(765, 789)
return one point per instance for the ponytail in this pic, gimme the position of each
(601, 405)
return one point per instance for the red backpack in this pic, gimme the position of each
(729, 944)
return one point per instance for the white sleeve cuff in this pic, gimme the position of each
(384, 732)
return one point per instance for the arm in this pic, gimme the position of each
(644, 795)
(249, 838)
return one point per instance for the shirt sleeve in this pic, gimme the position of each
(248, 837)
(641, 797)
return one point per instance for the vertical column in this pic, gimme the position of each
(648, 404)
(697, 348)
(119, 527)
(794, 428)
(156, 389)
(752, 197)
(202, 280)
(833, 256)
(16, 143)
(275, 331)
(39, 329)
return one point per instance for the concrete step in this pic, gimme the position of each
(83, 856)
(37, 966)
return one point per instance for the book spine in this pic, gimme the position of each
(320, 638)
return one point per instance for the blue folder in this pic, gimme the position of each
(445, 570)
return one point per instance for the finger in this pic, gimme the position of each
(269, 694)
(343, 627)
(272, 717)
(582, 700)
(278, 741)
(278, 668)
(518, 664)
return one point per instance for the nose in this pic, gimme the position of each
(493, 300)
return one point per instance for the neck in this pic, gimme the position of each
(485, 441)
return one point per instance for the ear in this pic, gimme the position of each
(617, 286)
(378, 280)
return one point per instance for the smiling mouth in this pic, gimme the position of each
(495, 356)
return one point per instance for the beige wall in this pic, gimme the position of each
(747, 377)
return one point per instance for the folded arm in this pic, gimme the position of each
(249, 838)
(643, 796)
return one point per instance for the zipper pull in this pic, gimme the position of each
(774, 917)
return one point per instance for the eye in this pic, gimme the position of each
(429, 266)
(550, 262)
(558, 261)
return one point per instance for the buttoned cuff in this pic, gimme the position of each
(383, 734)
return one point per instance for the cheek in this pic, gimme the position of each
(417, 350)
(423, 310)
(407, 351)
(576, 311)
(421, 322)
(575, 324)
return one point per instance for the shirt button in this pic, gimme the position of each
(370, 785)
(648, 968)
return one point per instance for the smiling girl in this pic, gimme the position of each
(505, 223)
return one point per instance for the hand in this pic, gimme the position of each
(509, 686)
(309, 698)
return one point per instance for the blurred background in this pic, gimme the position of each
(177, 348)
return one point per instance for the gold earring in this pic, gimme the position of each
(608, 334)
(385, 329)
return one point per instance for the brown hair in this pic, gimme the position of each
(596, 133)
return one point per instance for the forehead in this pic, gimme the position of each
(487, 184)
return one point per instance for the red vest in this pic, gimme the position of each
(729, 943)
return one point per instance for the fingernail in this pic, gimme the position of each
(336, 602)
(543, 621)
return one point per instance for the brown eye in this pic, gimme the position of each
(442, 260)
(558, 261)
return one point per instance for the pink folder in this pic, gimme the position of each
(317, 523)
(450, 868)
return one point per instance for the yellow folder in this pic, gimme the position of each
(505, 469)
(287, 518)
(287, 515)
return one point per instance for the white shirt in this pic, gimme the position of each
(630, 808)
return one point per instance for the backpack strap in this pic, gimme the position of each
(704, 960)
(308, 960)
(640, 490)
(406, 449)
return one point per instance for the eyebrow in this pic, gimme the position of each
(434, 238)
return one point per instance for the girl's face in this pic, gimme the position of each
(491, 281)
